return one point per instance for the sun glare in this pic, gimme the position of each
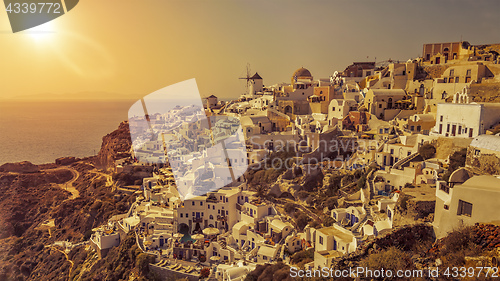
(41, 33)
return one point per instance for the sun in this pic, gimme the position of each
(41, 33)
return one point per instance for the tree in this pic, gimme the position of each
(302, 220)
(427, 151)
(261, 190)
(457, 160)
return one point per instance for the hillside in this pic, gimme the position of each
(42, 204)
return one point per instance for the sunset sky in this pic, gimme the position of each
(131, 48)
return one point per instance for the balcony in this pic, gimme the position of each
(222, 218)
(197, 220)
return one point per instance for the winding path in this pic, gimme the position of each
(303, 208)
(68, 186)
(67, 258)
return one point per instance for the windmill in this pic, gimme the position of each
(248, 77)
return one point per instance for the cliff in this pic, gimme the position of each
(115, 145)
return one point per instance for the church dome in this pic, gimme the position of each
(301, 73)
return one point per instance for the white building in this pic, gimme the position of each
(465, 120)
(103, 240)
(332, 242)
(476, 200)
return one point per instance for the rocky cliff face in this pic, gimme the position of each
(115, 145)
(37, 210)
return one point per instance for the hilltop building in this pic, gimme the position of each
(465, 120)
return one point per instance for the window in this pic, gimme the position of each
(192, 203)
(441, 118)
(468, 73)
(321, 240)
(380, 106)
(181, 215)
(201, 203)
(187, 215)
(452, 72)
(211, 217)
(464, 208)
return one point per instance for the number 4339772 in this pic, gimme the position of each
(32, 8)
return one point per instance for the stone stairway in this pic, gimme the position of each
(368, 210)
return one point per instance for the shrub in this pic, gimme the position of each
(387, 261)
(142, 263)
(302, 220)
(328, 221)
(289, 207)
(331, 202)
(302, 194)
(302, 255)
(427, 151)
(205, 272)
(362, 182)
(315, 224)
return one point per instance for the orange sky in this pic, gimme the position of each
(131, 48)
